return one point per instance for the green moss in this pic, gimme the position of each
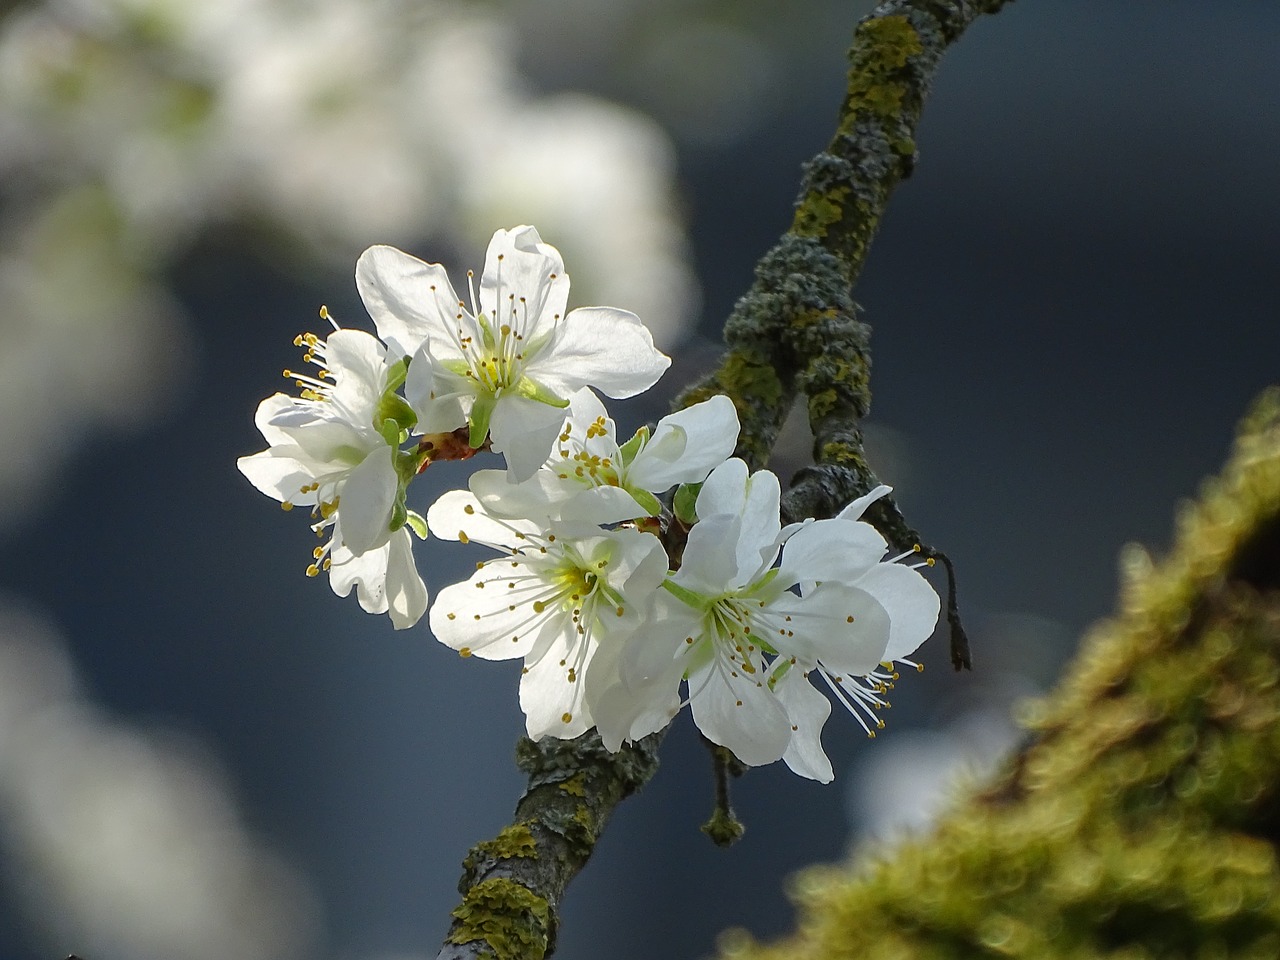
(1141, 820)
(512, 919)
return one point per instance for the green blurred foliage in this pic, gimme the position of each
(1141, 819)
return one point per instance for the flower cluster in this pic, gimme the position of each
(631, 576)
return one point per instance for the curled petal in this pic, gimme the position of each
(524, 276)
(368, 498)
(912, 605)
(686, 446)
(808, 710)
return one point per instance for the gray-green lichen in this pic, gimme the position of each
(1143, 818)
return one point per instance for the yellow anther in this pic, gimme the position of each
(929, 562)
(324, 312)
(916, 548)
(566, 717)
(313, 571)
(286, 506)
(318, 552)
(464, 652)
(468, 509)
(462, 537)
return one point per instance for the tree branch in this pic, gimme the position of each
(795, 331)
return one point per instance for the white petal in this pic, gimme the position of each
(603, 347)
(841, 625)
(406, 593)
(808, 710)
(358, 363)
(629, 713)
(710, 564)
(830, 550)
(267, 412)
(524, 431)
(409, 300)
(542, 495)
(754, 499)
(603, 505)
(518, 265)
(547, 694)
(280, 474)
(739, 713)
(458, 515)
(366, 502)
(686, 445)
(912, 605)
(725, 489)
(649, 654)
(366, 572)
(477, 616)
(857, 508)
(432, 392)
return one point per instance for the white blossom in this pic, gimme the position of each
(328, 450)
(555, 598)
(507, 364)
(590, 478)
(745, 637)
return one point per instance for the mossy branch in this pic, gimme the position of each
(796, 331)
(1143, 817)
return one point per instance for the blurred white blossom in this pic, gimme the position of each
(126, 842)
(332, 124)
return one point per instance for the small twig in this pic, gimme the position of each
(724, 828)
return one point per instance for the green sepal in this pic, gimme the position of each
(650, 504)
(685, 503)
(627, 452)
(394, 409)
(481, 414)
(396, 375)
(417, 523)
(390, 431)
(399, 513)
(532, 390)
(699, 601)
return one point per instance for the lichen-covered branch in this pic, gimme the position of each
(513, 883)
(1142, 820)
(795, 332)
